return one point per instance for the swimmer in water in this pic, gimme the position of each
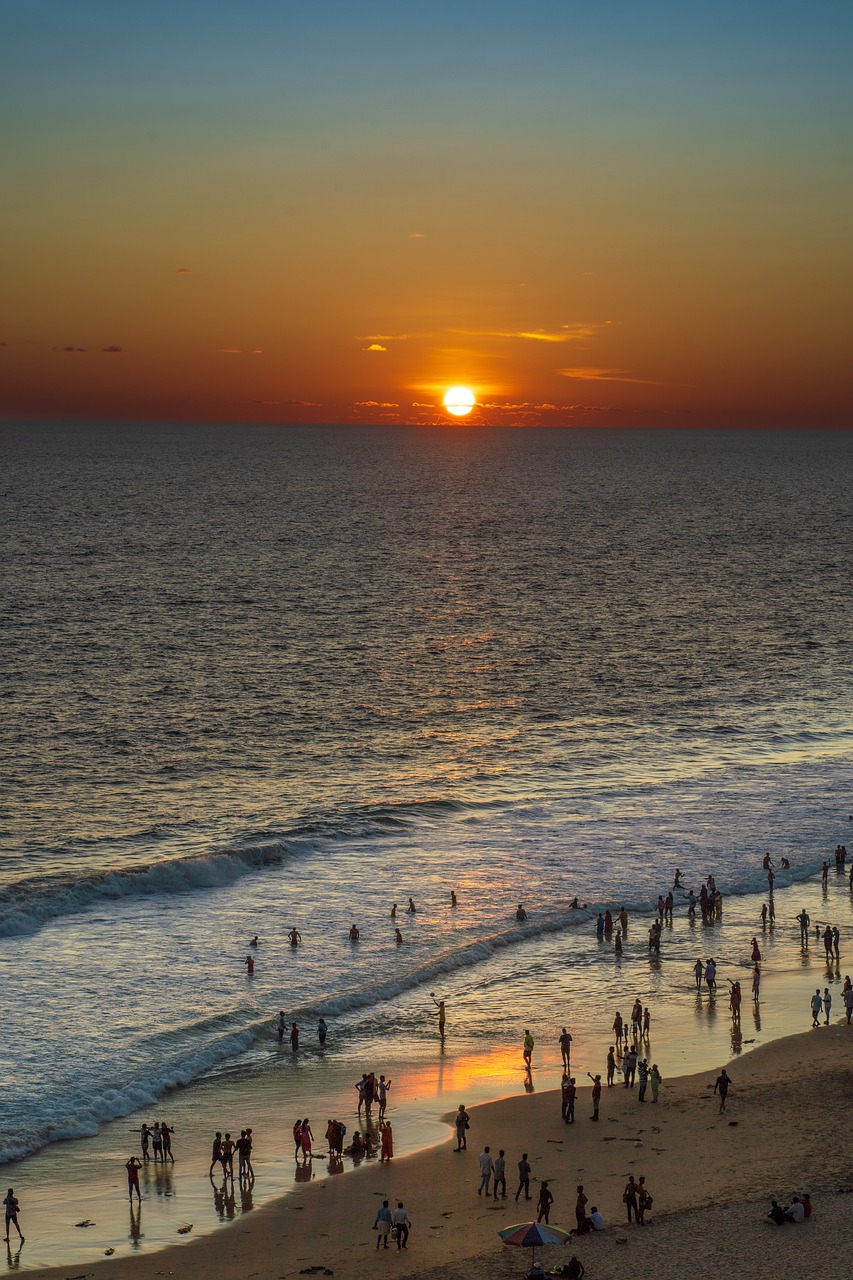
(676, 884)
(398, 936)
(282, 1025)
(254, 941)
(321, 1030)
(521, 914)
(411, 908)
(354, 934)
(453, 901)
(250, 966)
(295, 937)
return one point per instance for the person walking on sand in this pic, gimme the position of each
(655, 1080)
(382, 1225)
(12, 1208)
(596, 1095)
(216, 1152)
(305, 1139)
(711, 976)
(527, 1053)
(647, 1022)
(463, 1124)
(644, 1202)
(721, 1086)
(629, 1198)
(565, 1047)
(487, 1168)
(543, 1207)
(402, 1223)
(524, 1171)
(827, 1004)
(133, 1166)
(817, 1007)
(500, 1174)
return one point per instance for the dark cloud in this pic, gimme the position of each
(112, 351)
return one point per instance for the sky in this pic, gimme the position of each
(589, 214)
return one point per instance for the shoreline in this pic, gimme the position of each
(769, 1143)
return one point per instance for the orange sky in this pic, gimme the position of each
(335, 217)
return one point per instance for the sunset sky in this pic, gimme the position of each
(603, 214)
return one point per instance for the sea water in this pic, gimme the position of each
(265, 678)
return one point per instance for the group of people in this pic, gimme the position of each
(371, 1090)
(798, 1210)
(293, 1033)
(223, 1151)
(159, 1139)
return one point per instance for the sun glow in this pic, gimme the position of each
(459, 401)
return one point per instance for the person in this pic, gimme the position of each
(629, 1198)
(565, 1047)
(305, 1139)
(836, 941)
(698, 973)
(442, 1014)
(804, 920)
(795, 1211)
(521, 914)
(629, 1067)
(294, 1036)
(524, 1171)
(580, 1209)
(398, 937)
(382, 1091)
(253, 942)
(250, 969)
(281, 1026)
(827, 1004)
(643, 1077)
(595, 1218)
(543, 1207)
(297, 1138)
(827, 942)
(847, 997)
(596, 1095)
(354, 933)
(295, 937)
(691, 905)
(785, 864)
(227, 1157)
(756, 983)
(611, 1066)
(243, 1147)
(216, 1152)
(166, 1132)
(647, 1022)
(655, 1079)
(721, 1086)
(711, 976)
(817, 1006)
(575, 1269)
(806, 1199)
(157, 1141)
(756, 952)
(387, 1147)
(322, 1030)
(393, 911)
(12, 1208)
(644, 1202)
(453, 901)
(571, 1099)
(411, 908)
(528, 1049)
(617, 945)
(382, 1225)
(402, 1223)
(599, 926)
(463, 1124)
(676, 884)
(777, 1213)
(500, 1174)
(618, 1027)
(623, 921)
(144, 1139)
(132, 1166)
(764, 915)
(487, 1168)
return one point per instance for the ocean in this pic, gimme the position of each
(259, 678)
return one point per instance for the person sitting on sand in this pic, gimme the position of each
(777, 1214)
(596, 1221)
(795, 1211)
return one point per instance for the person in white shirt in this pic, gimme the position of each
(402, 1222)
(487, 1168)
(596, 1219)
(795, 1211)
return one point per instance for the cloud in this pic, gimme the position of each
(417, 235)
(112, 351)
(566, 333)
(384, 337)
(375, 404)
(72, 350)
(229, 351)
(258, 351)
(606, 375)
(375, 346)
(302, 404)
(183, 271)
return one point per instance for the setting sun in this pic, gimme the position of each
(459, 401)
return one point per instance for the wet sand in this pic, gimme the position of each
(712, 1176)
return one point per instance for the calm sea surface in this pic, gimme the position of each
(256, 678)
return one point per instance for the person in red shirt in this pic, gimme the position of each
(133, 1166)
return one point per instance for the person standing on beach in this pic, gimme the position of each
(817, 1007)
(764, 915)
(463, 1124)
(643, 1074)
(382, 1090)
(629, 1067)
(543, 1206)
(756, 983)
(564, 1098)
(402, 1223)
(442, 1013)
(721, 1086)
(571, 1099)
(294, 1037)
(144, 1139)
(527, 1053)
(387, 1147)
(629, 1198)
(524, 1171)
(580, 1210)
(565, 1047)
(827, 1004)
(644, 1202)
(836, 941)
(698, 974)
(655, 1079)
(623, 920)
(611, 1066)
(596, 1095)
(711, 976)
(487, 1168)
(12, 1209)
(216, 1152)
(133, 1166)
(804, 921)
(618, 1026)
(647, 1022)
(500, 1174)
(847, 997)
(382, 1225)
